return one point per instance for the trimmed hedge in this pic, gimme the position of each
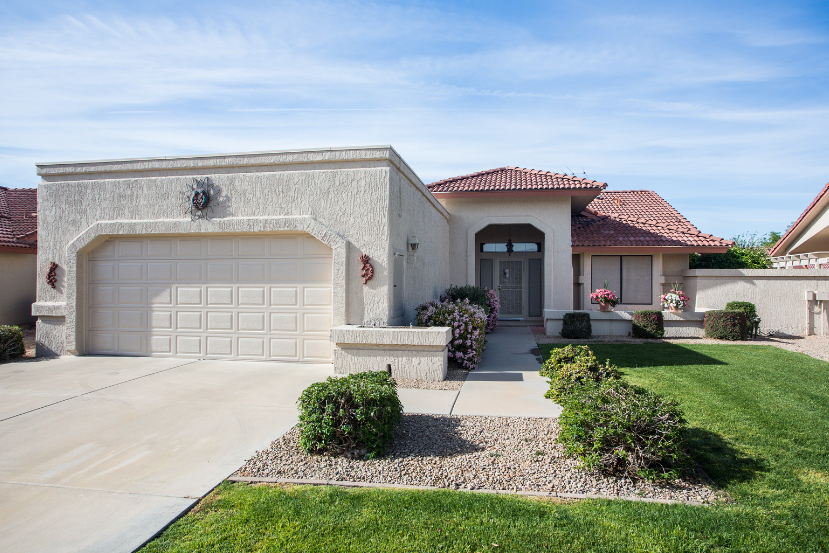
(355, 415)
(745, 306)
(11, 343)
(571, 367)
(576, 326)
(648, 324)
(618, 428)
(475, 294)
(726, 325)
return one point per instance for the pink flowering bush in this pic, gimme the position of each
(494, 304)
(468, 324)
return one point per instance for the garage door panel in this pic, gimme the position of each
(218, 297)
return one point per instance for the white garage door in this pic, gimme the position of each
(223, 297)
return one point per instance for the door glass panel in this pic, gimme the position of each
(486, 274)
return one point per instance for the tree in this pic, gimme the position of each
(749, 251)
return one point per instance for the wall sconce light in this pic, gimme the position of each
(413, 245)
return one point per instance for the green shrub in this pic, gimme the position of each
(566, 378)
(726, 325)
(576, 326)
(745, 306)
(648, 324)
(11, 343)
(562, 356)
(355, 415)
(618, 428)
(475, 294)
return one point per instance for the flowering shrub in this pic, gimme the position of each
(648, 324)
(675, 298)
(603, 295)
(494, 304)
(468, 324)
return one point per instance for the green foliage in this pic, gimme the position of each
(574, 369)
(648, 324)
(576, 326)
(735, 258)
(11, 343)
(347, 415)
(726, 325)
(475, 294)
(745, 306)
(618, 428)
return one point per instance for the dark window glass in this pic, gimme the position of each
(501, 247)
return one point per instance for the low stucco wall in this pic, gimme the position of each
(18, 282)
(620, 323)
(408, 352)
(779, 294)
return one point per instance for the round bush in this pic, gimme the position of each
(621, 429)
(745, 306)
(468, 324)
(726, 325)
(572, 368)
(11, 343)
(354, 415)
(648, 324)
(576, 326)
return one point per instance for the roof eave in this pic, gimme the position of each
(651, 249)
(519, 193)
(806, 218)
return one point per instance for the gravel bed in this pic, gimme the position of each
(813, 346)
(466, 452)
(454, 380)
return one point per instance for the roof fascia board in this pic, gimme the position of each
(650, 249)
(519, 193)
(32, 250)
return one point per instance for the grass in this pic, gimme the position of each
(759, 425)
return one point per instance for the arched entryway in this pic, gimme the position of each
(509, 258)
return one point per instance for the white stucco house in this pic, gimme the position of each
(18, 254)
(805, 245)
(258, 255)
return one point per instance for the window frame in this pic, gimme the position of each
(622, 277)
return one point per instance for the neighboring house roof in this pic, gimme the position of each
(18, 219)
(515, 180)
(639, 219)
(801, 223)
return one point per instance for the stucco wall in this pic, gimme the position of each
(343, 194)
(550, 214)
(413, 211)
(18, 272)
(779, 295)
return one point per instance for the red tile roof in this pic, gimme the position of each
(778, 248)
(637, 218)
(18, 217)
(506, 179)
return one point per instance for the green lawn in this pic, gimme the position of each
(759, 425)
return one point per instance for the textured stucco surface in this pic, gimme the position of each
(619, 323)
(550, 215)
(406, 336)
(18, 272)
(779, 294)
(343, 197)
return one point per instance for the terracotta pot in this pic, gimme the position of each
(605, 307)
(673, 309)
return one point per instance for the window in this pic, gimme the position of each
(520, 247)
(629, 276)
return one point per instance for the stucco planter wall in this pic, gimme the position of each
(620, 323)
(410, 352)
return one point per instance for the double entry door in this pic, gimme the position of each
(518, 283)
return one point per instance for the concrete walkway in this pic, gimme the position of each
(505, 384)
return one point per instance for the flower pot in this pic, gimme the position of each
(673, 309)
(605, 307)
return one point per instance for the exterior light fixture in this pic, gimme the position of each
(413, 245)
(510, 246)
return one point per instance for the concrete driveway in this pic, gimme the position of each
(100, 453)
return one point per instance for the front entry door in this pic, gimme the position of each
(511, 287)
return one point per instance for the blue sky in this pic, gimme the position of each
(720, 107)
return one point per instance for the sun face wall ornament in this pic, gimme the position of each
(198, 198)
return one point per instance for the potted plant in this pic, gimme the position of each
(607, 300)
(675, 300)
